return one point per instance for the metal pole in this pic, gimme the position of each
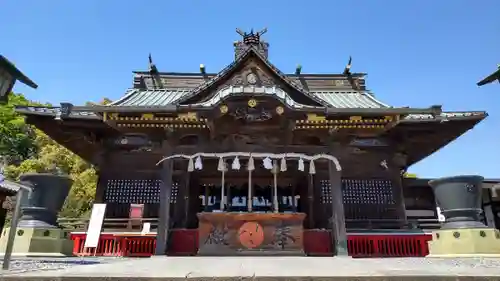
(222, 192)
(275, 187)
(250, 199)
(13, 229)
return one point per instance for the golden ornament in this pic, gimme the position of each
(252, 103)
(280, 110)
(223, 109)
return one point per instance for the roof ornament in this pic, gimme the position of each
(251, 38)
(155, 74)
(152, 67)
(347, 69)
(347, 72)
(491, 78)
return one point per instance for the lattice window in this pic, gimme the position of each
(367, 192)
(326, 192)
(137, 191)
(175, 192)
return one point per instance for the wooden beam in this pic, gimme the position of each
(220, 148)
(435, 110)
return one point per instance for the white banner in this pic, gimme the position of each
(95, 225)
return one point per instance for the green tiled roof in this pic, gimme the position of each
(337, 99)
(137, 97)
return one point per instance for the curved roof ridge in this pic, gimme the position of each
(346, 98)
(274, 91)
(371, 96)
(127, 95)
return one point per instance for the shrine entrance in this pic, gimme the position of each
(235, 197)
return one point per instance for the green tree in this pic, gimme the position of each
(47, 156)
(16, 137)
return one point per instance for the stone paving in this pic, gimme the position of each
(254, 268)
(24, 265)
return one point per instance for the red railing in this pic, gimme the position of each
(184, 242)
(116, 244)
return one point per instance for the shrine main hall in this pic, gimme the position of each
(252, 161)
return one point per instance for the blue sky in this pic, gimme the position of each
(416, 53)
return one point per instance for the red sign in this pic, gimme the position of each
(136, 211)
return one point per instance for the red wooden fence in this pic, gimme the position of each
(184, 242)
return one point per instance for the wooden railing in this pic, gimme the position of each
(108, 225)
(184, 242)
(131, 225)
(120, 237)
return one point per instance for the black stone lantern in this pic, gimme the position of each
(460, 201)
(8, 76)
(49, 191)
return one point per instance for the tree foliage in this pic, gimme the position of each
(16, 138)
(45, 156)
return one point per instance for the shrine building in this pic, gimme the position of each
(250, 159)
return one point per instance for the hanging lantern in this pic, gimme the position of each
(236, 163)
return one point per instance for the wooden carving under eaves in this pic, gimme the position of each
(254, 70)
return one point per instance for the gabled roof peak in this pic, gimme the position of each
(251, 40)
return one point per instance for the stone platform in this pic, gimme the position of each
(270, 268)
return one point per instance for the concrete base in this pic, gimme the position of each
(270, 269)
(473, 242)
(42, 242)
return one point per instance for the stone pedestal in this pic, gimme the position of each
(462, 234)
(465, 242)
(53, 242)
(37, 231)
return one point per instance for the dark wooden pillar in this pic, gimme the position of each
(339, 235)
(186, 198)
(399, 198)
(164, 215)
(310, 201)
(180, 202)
(102, 181)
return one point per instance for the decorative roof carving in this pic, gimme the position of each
(204, 90)
(250, 40)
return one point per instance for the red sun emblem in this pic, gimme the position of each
(251, 235)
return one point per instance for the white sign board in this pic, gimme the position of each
(441, 217)
(146, 228)
(95, 225)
